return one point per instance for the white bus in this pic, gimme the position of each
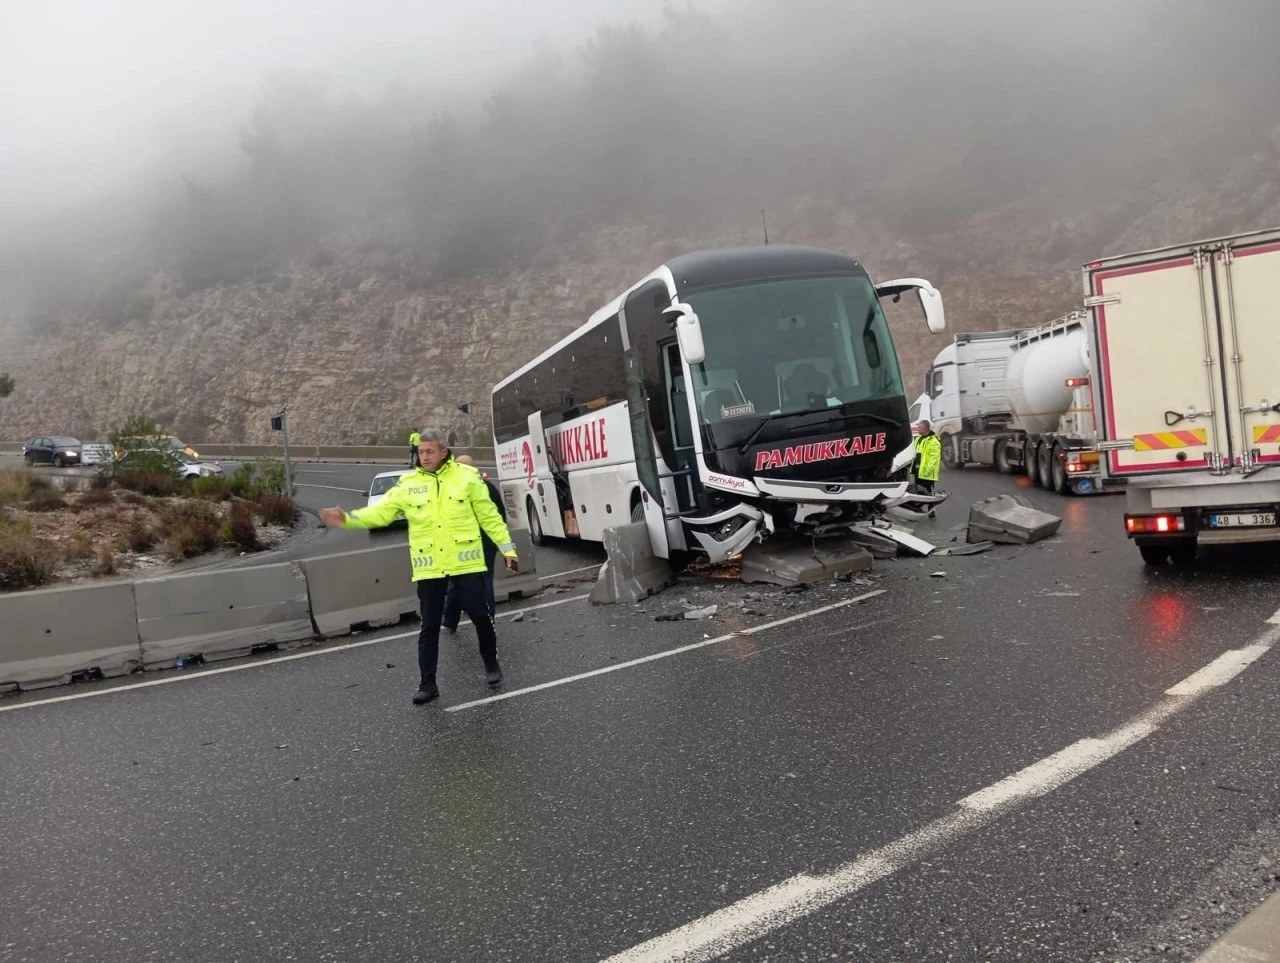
(728, 395)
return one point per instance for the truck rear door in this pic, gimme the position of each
(1160, 362)
(1246, 276)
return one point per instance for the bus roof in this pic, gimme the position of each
(737, 265)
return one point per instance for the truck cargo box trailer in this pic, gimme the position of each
(1187, 341)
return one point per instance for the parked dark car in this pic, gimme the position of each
(53, 450)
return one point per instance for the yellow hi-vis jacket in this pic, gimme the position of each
(445, 509)
(928, 457)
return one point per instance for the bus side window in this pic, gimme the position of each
(680, 412)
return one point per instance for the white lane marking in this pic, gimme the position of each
(747, 920)
(333, 488)
(1275, 619)
(259, 663)
(572, 571)
(1220, 671)
(668, 653)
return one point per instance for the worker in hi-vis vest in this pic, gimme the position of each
(414, 438)
(447, 506)
(927, 466)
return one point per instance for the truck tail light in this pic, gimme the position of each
(1154, 524)
(1077, 382)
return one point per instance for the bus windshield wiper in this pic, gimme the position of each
(742, 448)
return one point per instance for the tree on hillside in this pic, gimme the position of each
(6, 385)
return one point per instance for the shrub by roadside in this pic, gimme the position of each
(239, 530)
(108, 530)
(26, 562)
(278, 510)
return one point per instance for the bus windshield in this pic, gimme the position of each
(792, 347)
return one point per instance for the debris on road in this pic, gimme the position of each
(1010, 520)
(693, 615)
(794, 561)
(974, 548)
(939, 575)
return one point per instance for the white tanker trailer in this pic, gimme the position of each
(1019, 400)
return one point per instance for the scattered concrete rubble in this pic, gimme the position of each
(1009, 520)
(791, 561)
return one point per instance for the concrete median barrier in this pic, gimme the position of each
(1009, 520)
(50, 636)
(524, 583)
(632, 571)
(792, 561)
(222, 614)
(371, 586)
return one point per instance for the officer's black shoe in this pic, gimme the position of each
(493, 674)
(426, 693)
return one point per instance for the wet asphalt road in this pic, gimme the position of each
(305, 810)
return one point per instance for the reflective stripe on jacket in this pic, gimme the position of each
(446, 510)
(929, 453)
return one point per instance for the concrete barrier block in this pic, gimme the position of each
(524, 583)
(1009, 520)
(49, 636)
(221, 614)
(632, 571)
(371, 586)
(792, 561)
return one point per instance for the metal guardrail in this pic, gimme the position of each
(374, 454)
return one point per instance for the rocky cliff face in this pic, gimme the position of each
(359, 347)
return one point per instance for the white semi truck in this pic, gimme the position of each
(1019, 400)
(1187, 341)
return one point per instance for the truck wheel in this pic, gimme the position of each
(637, 508)
(1154, 554)
(1004, 464)
(1183, 552)
(1044, 467)
(1061, 483)
(1031, 459)
(950, 452)
(535, 524)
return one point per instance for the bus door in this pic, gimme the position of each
(542, 481)
(685, 470)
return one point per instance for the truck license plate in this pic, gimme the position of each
(1251, 520)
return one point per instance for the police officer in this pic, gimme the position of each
(448, 508)
(928, 461)
(414, 438)
(453, 600)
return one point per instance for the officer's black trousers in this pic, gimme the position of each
(471, 593)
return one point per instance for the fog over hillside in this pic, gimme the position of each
(311, 174)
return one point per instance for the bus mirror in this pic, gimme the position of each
(934, 314)
(930, 299)
(688, 332)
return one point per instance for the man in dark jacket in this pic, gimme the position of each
(452, 600)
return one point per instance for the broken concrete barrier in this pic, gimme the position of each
(1009, 520)
(632, 571)
(792, 561)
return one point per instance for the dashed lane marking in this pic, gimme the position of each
(747, 920)
(753, 630)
